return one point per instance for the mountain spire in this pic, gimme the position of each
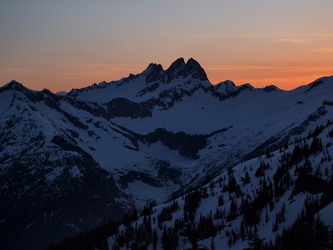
(180, 68)
(154, 72)
(194, 68)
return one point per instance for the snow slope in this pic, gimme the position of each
(230, 215)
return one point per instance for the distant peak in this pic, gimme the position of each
(225, 86)
(47, 91)
(14, 85)
(270, 88)
(228, 82)
(246, 86)
(153, 66)
(153, 72)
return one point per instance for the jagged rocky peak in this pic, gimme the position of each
(194, 68)
(181, 69)
(178, 69)
(154, 72)
(153, 67)
(176, 66)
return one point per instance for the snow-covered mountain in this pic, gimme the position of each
(280, 200)
(71, 162)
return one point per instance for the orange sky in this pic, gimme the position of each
(62, 45)
(78, 76)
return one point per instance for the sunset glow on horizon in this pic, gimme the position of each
(62, 45)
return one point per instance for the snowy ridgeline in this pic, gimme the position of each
(272, 200)
(72, 162)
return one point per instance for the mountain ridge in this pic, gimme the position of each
(157, 136)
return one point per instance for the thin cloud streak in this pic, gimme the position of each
(254, 67)
(292, 40)
(239, 67)
(263, 35)
(109, 65)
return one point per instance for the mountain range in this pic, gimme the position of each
(72, 162)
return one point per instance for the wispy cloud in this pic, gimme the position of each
(290, 68)
(108, 65)
(239, 67)
(255, 35)
(304, 38)
(293, 40)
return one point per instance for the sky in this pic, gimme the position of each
(65, 44)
